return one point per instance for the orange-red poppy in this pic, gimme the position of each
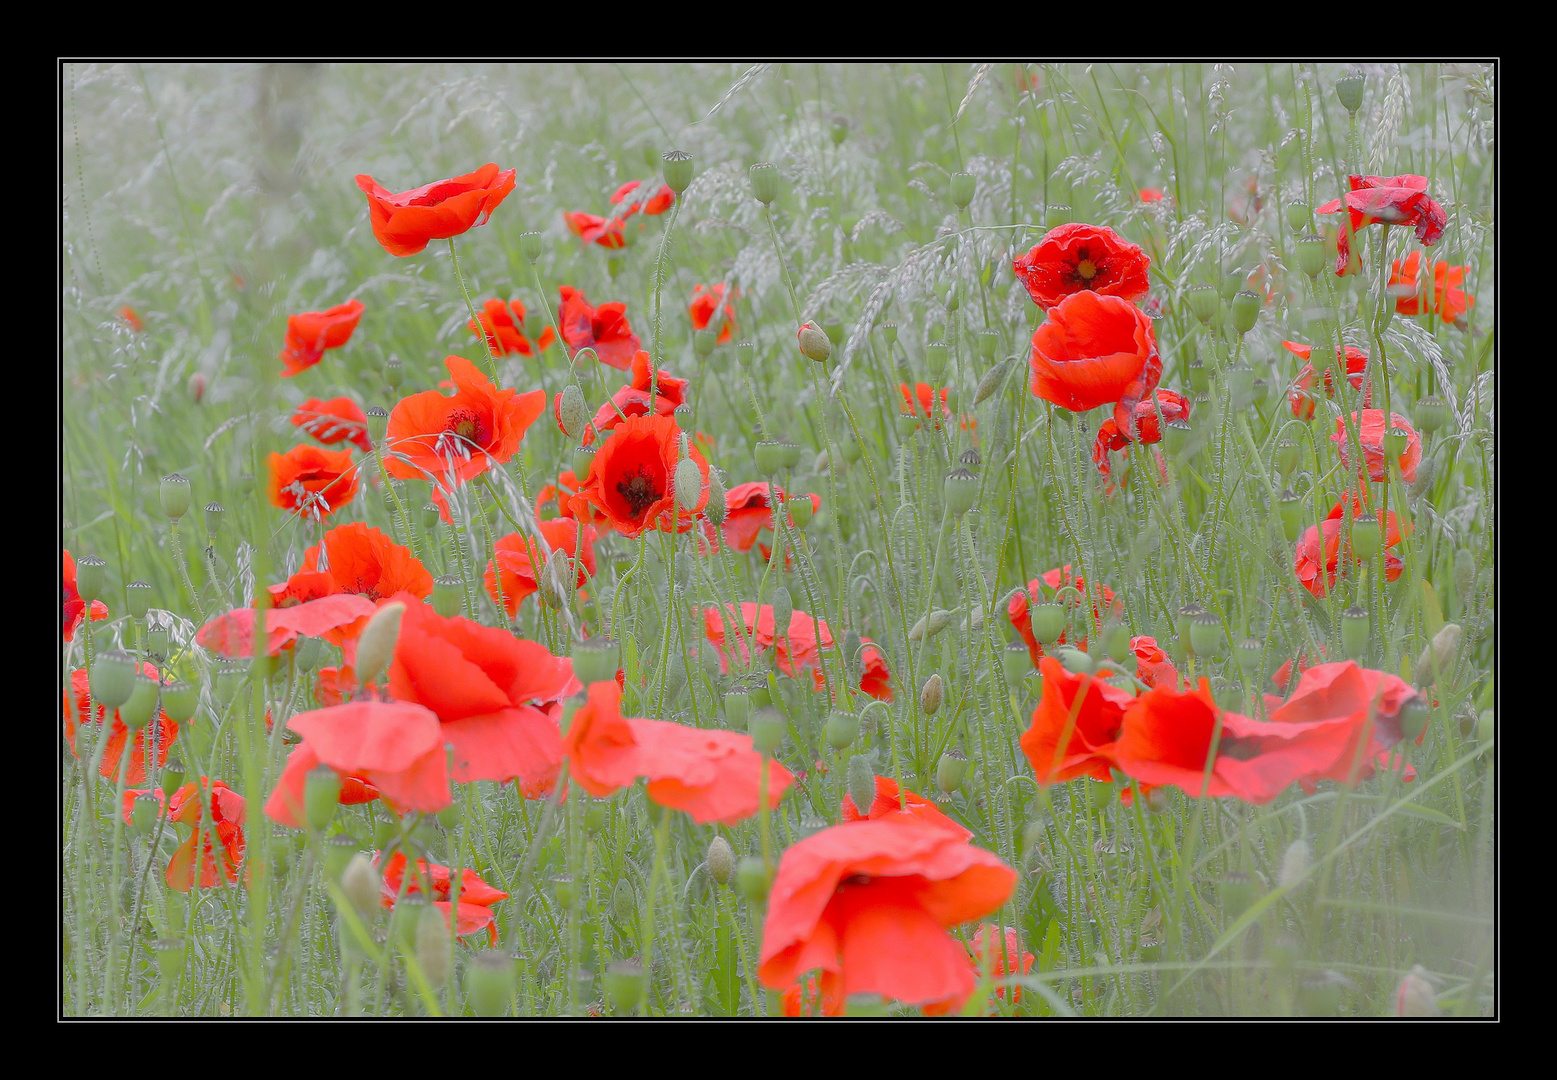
(604, 329)
(1371, 431)
(926, 395)
(1152, 665)
(163, 730)
(594, 229)
(713, 776)
(1283, 674)
(1363, 702)
(127, 313)
(457, 438)
(334, 616)
(492, 692)
(1019, 610)
(999, 948)
(1317, 557)
(632, 399)
(1075, 725)
(504, 328)
(706, 304)
(334, 421)
(1075, 258)
(561, 495)
(657, 203)
(869, 903)
(405, 222)
(748, 511)
(1392, 200)
(311, 482)
(361, 559)
(73, 608)
(1301, 395)
(890, 799)
(1150, 194)
(221, 833)
(1413, 296)
(797, 650)
(476, 896)
(633, 478)
(1095, 350)
(517, 558)
(312, 332)
(1164, 406)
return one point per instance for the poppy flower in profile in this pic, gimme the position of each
(518, 559)
(74, 609)
(220, 833)
(335, 616)
(1019, 610)
(926, 395)
(163, 730)
(1363, 702)
(1074, 726)
(334, 421)
(1317, 557)
(311, 333)
(504, 328)
(1390, 200)
(1164, 406)
(594, 229)
(1371, 431)
(706, 305)
(476, 896)
(604, 329)
(654, 204)
(1075, 258)
(361, 559)
(890, 799)
(797, 650)
(491, 691)
(1152, 665)
(713, 776)
(1000, 949)
(633, 477)
(391, 749)
(869, 904)
(132, 320)
(457, 438)
(405, 222)
(1356, 375)
(1095, 350)
(667, 391)
(1150, 194)
(311, 482)
(748, 511)
(1414, 297)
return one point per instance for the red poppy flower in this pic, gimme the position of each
(133, 320)
(748, 511)
(1074, 726)
(1093, 350)
(73, 608)
(926, 395)
(504, 328)
(1322, 545)
(604, 329)
(1000, 949)
(405, 222)
(714, 776)
(388, 748)
(312, 332)
(333, 421)
(1077, 258)
(594, 229)
(799, 649)
(223, 825)
(335, 617)
(1018, 610)
(362, 560)
(890, 799)
(632, 399)
(1151, 194)
(165, 730)
(705, 303)
(1363, 702)
(516, 558)
(657, 203)
(1412, 296)
(476, 896)
(456, 439)
(1283, 674)
(1356, 368)
(561, 495)
(312, 482)
(633, 477)
(489, 689)
(1147, 425)
(869, 903)
(1152, 666)
(1392, 200)
(1371, 430)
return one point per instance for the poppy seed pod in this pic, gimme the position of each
(1238, 891)
(321, 795)
(907, 424)
(1289, 509)
(434, 951)
(90, 574)
(769, 457)
(1205, 634)
(530, 246)
(448, 595)
(1199, 377)
(703, 341)
(377, 644)
(1287, 453)
(951, 770)
(1248, 654)
(394, 372)
(137, 712)
(988, 344)
(889, 333)
(214, 512)
(595, 660)
(842, 729)
(861, 783)
(962, 187)
(1181, 625)
(789, 454)
(179, 701)
(137, 599)
(814, 343)
(175, 495)
(1430, 414)
(565, 889)
(1016, 663)
(850, 450)
(937, 357)
(1074, 660)
(677, 167)
(1246, 310)
(143, 813)
(1116, 642)
(1396, 439)
(1240, 385)
(583, 458)
(737, 709)
(1048, 622)
(338, 851)
(931, 694)
(1355, 628)
(1348, 90)
(1260, 390)
(801, 510)
(764, 182)
(1203, 302)
(1313, 252)
(1366, 542)
(1298, 217)
(378, 424)
(113, 677)
(767, 731)
(840, 130)
(961, 491)
(489, 982)
(572, 411)
(752, 879)
(1058, 214)
(689, 485)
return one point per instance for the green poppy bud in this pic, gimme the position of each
(112, 677)
(950, 770)
(961, 491)
(1246, 310)
(321, 795)
(765, 182)
(360, 883)
(307, 653)
(1203, 302)
(573, 411)
(689, 485)
(720, 860)
(737, 709)
(931, 694)
(783, 611)
(394, 372)
(448, 595)
(767, 730)
(376, 646)
(1430, 414)
(930, 625)
(1356, 627)
(1486, 727)
(677, 169)
(1348, 90)
(1048, 622)
(861, 783)
(840, 130)
(752, 879)
(842, 729)
(962, 187)
(814, 343)
(179, 701)
(595, 660)
(434, 952)
(175, 494)
(137, 596)
(489, 976)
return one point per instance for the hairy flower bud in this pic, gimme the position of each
(814, 343)
(932, 693)
(1437, 659)
(377, 644)
(720, 859)
(689, 485)
(572, 411)
(861, 783)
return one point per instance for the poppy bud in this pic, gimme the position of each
(1238, 891)
(814, 343)
(737, 709)
(1439, 655)
(1355, 631)
(1366, 541)
(1298, 217)
(842, 729)
(1205, 634)
(765, 182)
(962, 185)
(321, 795)
(1203, 302)
(889, 333)
(113, 677)
(1415, 995)
(1248, 654)
(851, 655)
(1430, 414)
(1287, 454)
(961, 491)
(572, 411)
(767, 731)
(907, 424)
(143, 813)
(555, 580)
(307, 653)
(360, 883)
(677, 169)
(951, 770)
(1048, 622)
(1058, 214)
(689, 484)
(1240, 385)
(377, 644)
(433, 949)
(394, 372)
(489, 976)
(1348, 90)
(195, 387)
(1464, 573)
(861, 783)
(1246, 310)
(137, 597)
(783, 611)
(769, 457)
(90, 572)
(1294, 863)
(1302, 405)
(179, 701)
(752, 878)
(595, 660)
(1074, 660)
(175, 495)
(930, 625)
(448, 595)
(703, 341)
(1289, 508)
(624, 902)
(930, 696)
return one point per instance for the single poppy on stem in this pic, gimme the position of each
(1075, 258)
(311, 333)
(405, 222)
(1095, 350)
(311, 482)
(604, 329)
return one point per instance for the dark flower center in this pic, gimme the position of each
(466, 424)
(640, 491)
(1086, 269)
(1239, 749)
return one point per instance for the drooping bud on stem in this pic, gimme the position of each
(814, 343)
